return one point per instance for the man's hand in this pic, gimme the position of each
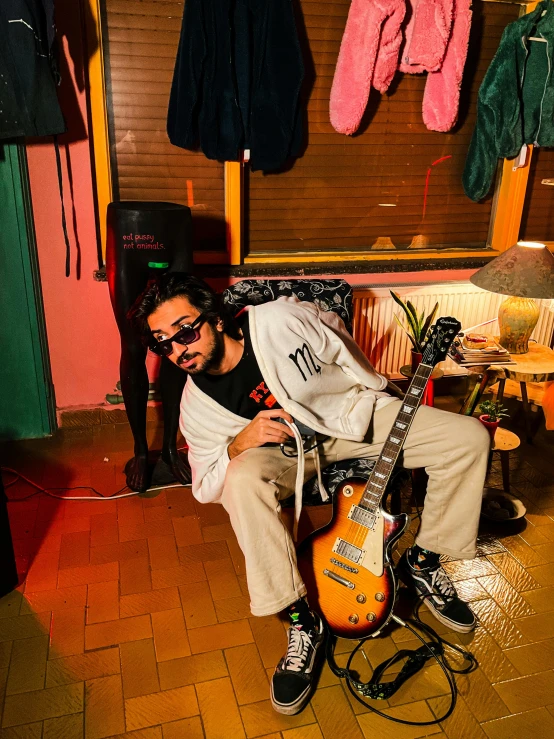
(260, 431)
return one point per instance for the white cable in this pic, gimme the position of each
(98, 496)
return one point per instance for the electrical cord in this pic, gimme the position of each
(48, 491)
(416, 658)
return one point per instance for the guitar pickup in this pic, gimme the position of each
(348, 551)
(362, 516)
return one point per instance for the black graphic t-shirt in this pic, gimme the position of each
(242, 390)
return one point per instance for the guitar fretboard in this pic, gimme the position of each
(380, 475)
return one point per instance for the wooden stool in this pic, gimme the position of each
(429, 394)
(504, 442)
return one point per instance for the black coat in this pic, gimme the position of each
(28, 99)
(237, 81)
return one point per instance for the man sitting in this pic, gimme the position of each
(290, 360)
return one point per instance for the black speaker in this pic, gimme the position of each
(8, 571)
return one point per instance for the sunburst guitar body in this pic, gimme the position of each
(346, 566)
(356, 597)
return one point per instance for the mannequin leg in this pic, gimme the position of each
(172, 381)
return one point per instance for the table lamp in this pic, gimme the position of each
(524, 271)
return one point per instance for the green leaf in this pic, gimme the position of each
(406, 332)
(428, 322)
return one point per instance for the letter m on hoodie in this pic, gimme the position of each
(304, 353)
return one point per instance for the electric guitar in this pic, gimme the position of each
(346, 565)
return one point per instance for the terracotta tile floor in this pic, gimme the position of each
(132, 617)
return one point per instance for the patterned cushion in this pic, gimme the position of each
(335, 295)
(336, 473)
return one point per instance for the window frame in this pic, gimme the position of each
(504, 226)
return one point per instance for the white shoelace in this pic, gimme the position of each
(441, 582)
(298, 650)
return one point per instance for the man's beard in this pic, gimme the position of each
(213, 358)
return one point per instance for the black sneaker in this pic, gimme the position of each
(294, 676)
(433, 585)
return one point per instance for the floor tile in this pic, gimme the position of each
(260, 718)
(74, 549)
(270, 638)
(312, 731)
(138, 668)
(67, 632)
(160, 708)
(42, 704)
(182, 575)
(104, 714)
(512, 603)
(103, 529)
(518, 577)
(110, 633)
(82, 667)
(538, 627)
(525, 725)
(220, 636)
(149, 602)
(170, 635)
(28, 665)
(191, 728)
(27, 731)
(24, 627)
(219, 710)
(222, 579)
(532, 658)
(374, 726)
(163, 552)
(543, 574)
(65, 727)
(198, 605)
(85, 575)
(461, 724)
(188, 532)
(504, 632)
(524, 693)
(118, 551)
(102, 602)
(541, 600)
(135, 576)
(54, 600)
(198, 668)
(247, 674)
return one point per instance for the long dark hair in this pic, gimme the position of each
(199, 294)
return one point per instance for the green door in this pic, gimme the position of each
(27, 408)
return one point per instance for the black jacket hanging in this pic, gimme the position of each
(29, 103)
(237, 81)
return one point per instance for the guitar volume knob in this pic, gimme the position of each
(353, 618)
(361, 598)
(380, 597)
(371, 616)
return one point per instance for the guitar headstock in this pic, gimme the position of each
(439, 338)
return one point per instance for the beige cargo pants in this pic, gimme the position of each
(452, 448)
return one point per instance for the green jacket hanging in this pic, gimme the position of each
(516, 99)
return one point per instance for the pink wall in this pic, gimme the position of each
(82, 335)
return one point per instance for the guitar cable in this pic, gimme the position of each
(416, 659)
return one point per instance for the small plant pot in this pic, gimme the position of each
(416, 360)
(491, 426)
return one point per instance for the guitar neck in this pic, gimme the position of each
(380, 475)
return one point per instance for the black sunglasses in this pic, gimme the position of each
(186, 335)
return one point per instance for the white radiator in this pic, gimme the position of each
(387, 346)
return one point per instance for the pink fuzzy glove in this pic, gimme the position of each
(368, 54)
(442, 89)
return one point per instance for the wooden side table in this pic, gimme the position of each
(537, 365)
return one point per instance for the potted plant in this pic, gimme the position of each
(417, 326)
(492, 411)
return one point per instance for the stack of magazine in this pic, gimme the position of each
(490, 353)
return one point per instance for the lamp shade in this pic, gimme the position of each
(525, 270)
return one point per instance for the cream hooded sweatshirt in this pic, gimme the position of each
(316, 372)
